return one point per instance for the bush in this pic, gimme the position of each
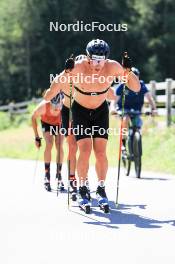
(4, 121)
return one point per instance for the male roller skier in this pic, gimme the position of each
(90, 108)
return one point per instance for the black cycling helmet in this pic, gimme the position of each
(98, 47)
(135, 71)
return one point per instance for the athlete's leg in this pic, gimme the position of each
(60, 153)
(85, 147)
(48, 147)
(59, 148)
(101, 166)
(72, 145)
(47, 158)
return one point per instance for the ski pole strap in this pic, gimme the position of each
(123, 101)
(70, 104)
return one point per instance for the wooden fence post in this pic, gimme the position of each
(168, 101)
(153, 89)
(11, 107)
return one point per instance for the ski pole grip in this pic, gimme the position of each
(69, 64)
(126, 61)
(38, 140)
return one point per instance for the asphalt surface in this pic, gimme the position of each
(38, 228)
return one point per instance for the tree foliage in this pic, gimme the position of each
(30, 52)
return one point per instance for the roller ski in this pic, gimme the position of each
(60, 184)
(89, 192)
(83, 200)
(102, 199)
(47, 185)
(73, 188)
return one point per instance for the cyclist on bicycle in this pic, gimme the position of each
(133, 101)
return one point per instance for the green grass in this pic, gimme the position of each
(158, 145)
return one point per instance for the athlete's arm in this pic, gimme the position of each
(64, 77)
(39, 110)
(111, 94)
(127, 76)
(151, 102)
(55, 87)
(113, 104)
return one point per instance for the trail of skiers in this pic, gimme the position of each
(78, 101)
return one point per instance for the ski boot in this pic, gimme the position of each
(60, 184)
(102, 199)
(84, 200)
(73, 188)
(47, 184)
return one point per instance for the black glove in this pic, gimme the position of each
(126, 61)
(38, 140)
(69, 64)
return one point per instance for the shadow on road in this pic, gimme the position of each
(121, 216)
(154, 179)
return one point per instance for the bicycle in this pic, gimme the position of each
(133, 149)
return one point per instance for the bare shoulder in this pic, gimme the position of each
(114, 67)
(113, 64)
(39, 110)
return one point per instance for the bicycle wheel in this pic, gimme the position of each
(126, 158)
(137, 151)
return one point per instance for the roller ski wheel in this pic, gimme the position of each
(85, 206)
(73, 188)
(104, 206)
(47, 186)
(102, 199)
(83, 200)
(74, 196)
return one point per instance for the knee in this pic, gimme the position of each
(100, 155)
(73, 149)
(125, 121)
(85, 148)
(49, 145)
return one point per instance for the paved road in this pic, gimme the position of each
(37, 228)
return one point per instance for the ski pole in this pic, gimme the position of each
(120, 140)
(58, 161)
(36, 164)
(69, 154)
(120, 146)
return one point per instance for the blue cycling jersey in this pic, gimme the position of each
(133, 100)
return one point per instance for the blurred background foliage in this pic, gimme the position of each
(30, 52)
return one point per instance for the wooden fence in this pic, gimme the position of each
(164, 96)
(162, 92)
(18, 108)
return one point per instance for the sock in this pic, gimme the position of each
(124, 142)
(72, 177)
(101, 183)
(59, 167)
(47, 170)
